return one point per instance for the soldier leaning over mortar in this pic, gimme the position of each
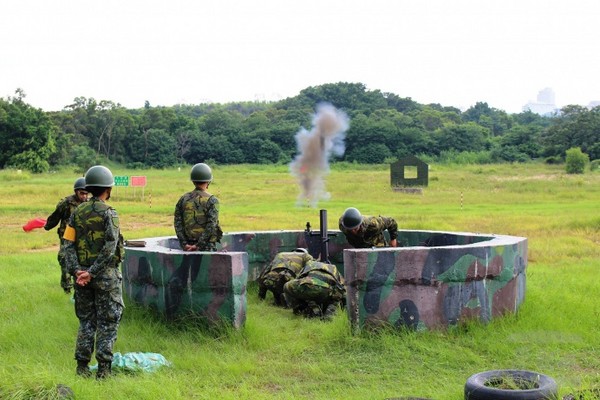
(284, 267)
(93, 253)
(61, 215)
(363, 231)
(317, 292)
(196, 218)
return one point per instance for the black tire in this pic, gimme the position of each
(536, 386)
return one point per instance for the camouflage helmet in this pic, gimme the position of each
(351, 218)
(79, 184)
(201, 173)
(99, 176)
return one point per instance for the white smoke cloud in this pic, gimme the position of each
(315, 147)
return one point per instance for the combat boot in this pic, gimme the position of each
(82, 369)
(103, 370)
(329, 312)
(312, 311)
(281, 302)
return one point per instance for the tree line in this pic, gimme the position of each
(383, 127)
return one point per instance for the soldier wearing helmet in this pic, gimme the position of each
(196, 217)
(317, 292)
(284, 267)
(93, 254)
(363, 231)
(60, 217)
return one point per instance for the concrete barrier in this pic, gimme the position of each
(174, 283)
(434, 279)
(440, 279)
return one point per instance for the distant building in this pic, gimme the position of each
(545, 104)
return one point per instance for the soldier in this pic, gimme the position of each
(197, 214)
(317, 291)
(93, 253)
(61, 216)
(284, 267)
(366, 231)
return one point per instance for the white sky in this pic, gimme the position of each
(452, 52)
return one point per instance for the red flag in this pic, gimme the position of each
(34, 224)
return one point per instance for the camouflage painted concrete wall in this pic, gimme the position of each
(164, 278)
(444, 278)
(435, 279)
(262, 246)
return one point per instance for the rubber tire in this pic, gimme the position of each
(476, 389)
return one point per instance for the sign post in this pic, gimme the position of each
(138, 181)
(121, 181)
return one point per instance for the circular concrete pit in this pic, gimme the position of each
(435, 279)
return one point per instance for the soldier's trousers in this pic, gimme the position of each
(99, 312)
(273, 281)
(303, 291)
(66, 281)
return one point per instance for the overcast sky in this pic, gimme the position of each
(452, 52)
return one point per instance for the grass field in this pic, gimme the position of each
(280, 356)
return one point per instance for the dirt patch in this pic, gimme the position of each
(541, 177)
(42, 249)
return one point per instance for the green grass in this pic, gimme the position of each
(280, 356)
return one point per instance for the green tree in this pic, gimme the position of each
(372, 153)
(222, 123)
(199, 148)
(114, 125)
(260, 151)
(350, 97)
(575, 126)
(576, 161)
(464, 137)
(155, 148)
(224, 151)
(524, 139)
(401, 104)
(27, 135)
(497, 121)
(82, 157)
(430, 119)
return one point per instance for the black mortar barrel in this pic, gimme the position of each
(324, 238)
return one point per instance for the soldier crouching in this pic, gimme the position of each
(317, 292)
(284, 267)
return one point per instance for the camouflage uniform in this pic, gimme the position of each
(61, 216)
(197, 220)
(317, 291)
(284, 267)
(98, 249)
(370, 232)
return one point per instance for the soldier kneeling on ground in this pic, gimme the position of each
(317, 292)
(284, 267)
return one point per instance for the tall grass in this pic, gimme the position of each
(280, 356)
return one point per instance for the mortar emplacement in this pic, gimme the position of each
(435, 279)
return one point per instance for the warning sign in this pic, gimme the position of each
(139, 181)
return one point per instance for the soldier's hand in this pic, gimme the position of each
(190, 247)
(83, 278)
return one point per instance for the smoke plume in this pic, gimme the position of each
(315, 148)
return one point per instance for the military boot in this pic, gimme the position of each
(103, 370)
(329, 312)
(82, 369)
(312, 310)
